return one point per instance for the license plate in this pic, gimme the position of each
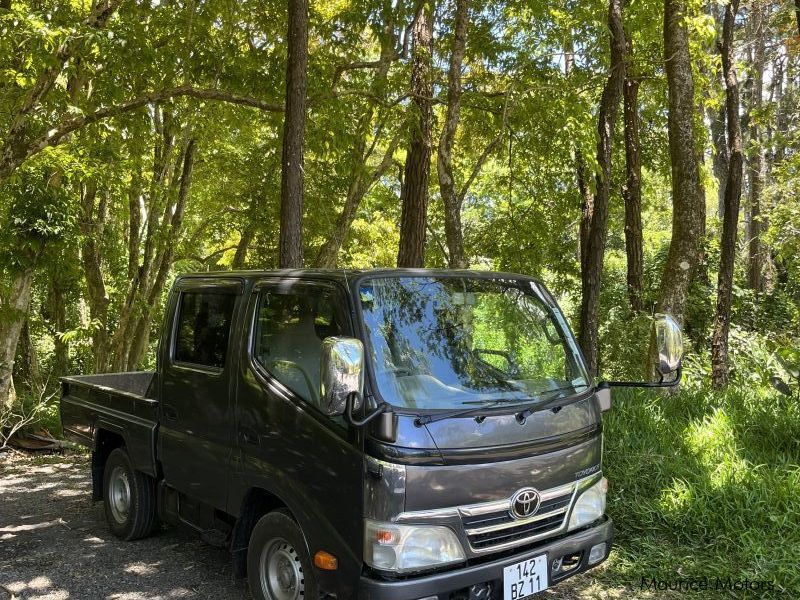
(524, 579)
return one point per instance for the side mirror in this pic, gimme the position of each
(669, 344)
(780, 385)
(341, 373)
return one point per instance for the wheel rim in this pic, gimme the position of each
(280, 571)
(119, 492)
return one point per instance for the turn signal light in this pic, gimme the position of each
(384, 537)
(326, 561)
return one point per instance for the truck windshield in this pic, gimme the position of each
(444, 342)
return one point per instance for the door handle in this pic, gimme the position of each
(170, 412)
(248, 436)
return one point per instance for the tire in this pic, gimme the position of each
(278, 564)
(129, 498)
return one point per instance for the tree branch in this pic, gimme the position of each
(97, 19)
(487, 151)
(13, 156)
(353, 66)
(204, 259)
(405, 42)
(438, 241)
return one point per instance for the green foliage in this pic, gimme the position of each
(703, 484)
(39, 207)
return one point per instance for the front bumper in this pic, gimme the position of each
(456, 584)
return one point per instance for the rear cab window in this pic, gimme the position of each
(202, 332)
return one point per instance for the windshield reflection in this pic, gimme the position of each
(457, 341)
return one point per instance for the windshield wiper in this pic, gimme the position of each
(542, 400)
(493, 402)
(461, 412)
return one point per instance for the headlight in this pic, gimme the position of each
(591, 505)
(399, 548)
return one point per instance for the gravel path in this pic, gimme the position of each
(54, 545)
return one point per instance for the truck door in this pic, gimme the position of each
(195, 435)
(288, 445)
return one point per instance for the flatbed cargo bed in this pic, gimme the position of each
(123, 403)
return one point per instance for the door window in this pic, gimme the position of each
(204, 323)
(290, 326)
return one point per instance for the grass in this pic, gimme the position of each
(705, 484)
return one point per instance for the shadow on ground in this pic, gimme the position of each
(54, 545)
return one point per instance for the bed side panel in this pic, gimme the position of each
(86, 409)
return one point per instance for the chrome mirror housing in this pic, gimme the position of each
(669, 343)
(341, 373)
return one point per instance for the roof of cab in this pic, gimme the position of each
(345, 275)
(325, 273)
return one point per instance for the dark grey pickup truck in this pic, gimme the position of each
(394, 434)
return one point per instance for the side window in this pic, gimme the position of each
(290, 327)
(204, 323)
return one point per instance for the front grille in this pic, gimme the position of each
(499, 529)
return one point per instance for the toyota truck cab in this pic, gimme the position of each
(388, 435)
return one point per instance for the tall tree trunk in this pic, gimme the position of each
(58, 315)
(721, 158)
(797, 14)
(134, 225)
(632, 192)
(776, 157)
(28, 371)
(688, 195)
(14, 312)
(447, 186)
(294, 127)
(716, 119)
(171, 231)
(414, 190)
(587, 206)
(587, 198)
(757, 167)
(240, 256)
(591, 273)
(733, 192)
(93, 225)
(782, 114)
(167, 197)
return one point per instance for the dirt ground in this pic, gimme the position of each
(54, 545)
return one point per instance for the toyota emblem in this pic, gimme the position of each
(524, 503)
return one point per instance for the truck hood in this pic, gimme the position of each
(461, 436)
(462, 461)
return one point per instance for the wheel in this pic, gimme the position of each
(129, 498)
(278, 564)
